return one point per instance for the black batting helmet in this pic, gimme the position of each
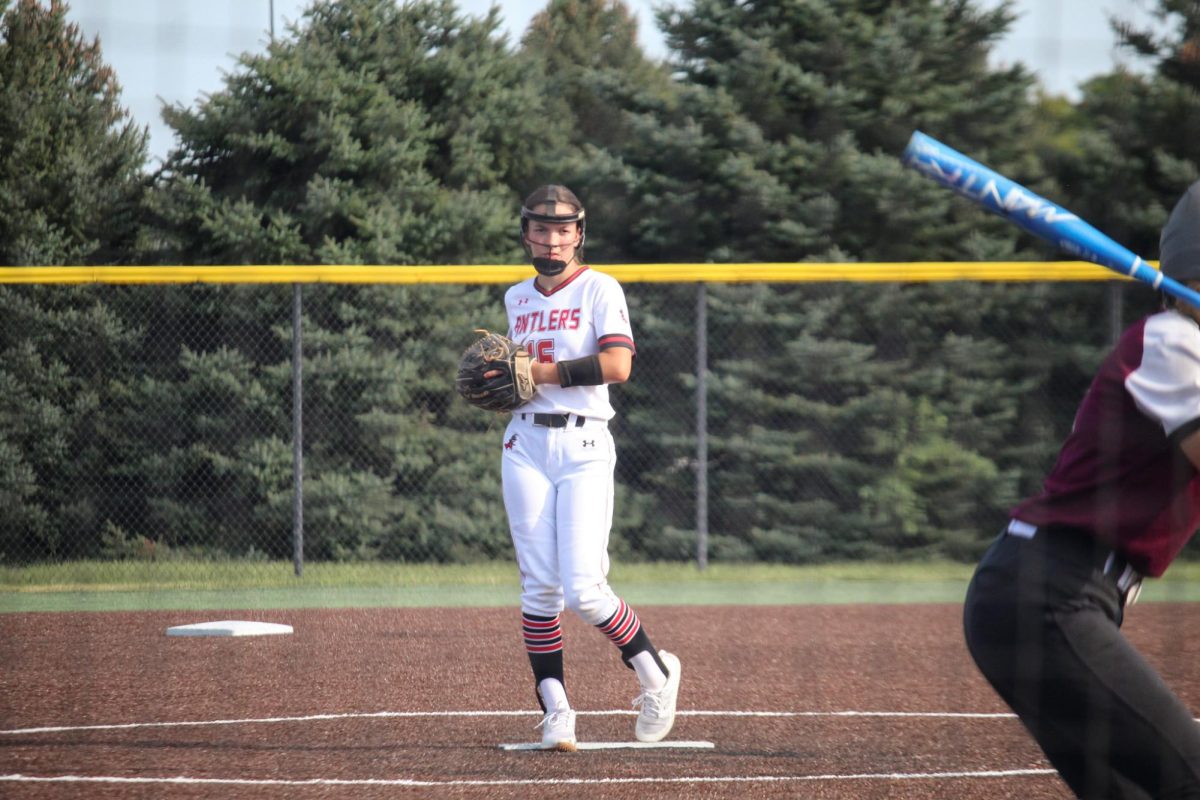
(1179, 245)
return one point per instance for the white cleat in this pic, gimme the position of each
(558, 730)
(656, 716)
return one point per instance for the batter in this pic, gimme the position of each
(1044, 610)
(558, 462)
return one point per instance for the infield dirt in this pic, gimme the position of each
(831, 702)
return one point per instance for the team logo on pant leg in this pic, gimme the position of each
(509, 444)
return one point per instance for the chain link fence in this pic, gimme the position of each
(782, 422)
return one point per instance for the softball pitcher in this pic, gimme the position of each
(558, 462)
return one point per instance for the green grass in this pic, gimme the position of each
(104, 576)
(150, 575)
(134, 585)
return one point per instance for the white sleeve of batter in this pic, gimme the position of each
(1166, 385)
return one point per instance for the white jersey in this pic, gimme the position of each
(580, 317)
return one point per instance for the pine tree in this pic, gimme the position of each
(373, 133)
(71, 185)
(781, 142)
(1131, 146)
(592, 60)
(377, 134)
(71, 158)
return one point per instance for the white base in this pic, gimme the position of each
(614, 746)
(229, 628)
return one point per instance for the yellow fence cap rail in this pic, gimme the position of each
(889, 272)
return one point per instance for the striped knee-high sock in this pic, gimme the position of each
(624, 629)
(544, 644)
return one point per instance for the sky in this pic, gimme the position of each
(176, 51)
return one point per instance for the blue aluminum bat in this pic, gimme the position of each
(1035, 214)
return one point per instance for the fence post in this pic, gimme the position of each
(701, 425)
(1116, 295)
(297, 437)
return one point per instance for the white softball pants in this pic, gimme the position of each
(558, 493)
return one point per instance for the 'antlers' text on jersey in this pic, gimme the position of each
(582, 316)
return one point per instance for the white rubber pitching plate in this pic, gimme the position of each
(615, 746)
(229, 627)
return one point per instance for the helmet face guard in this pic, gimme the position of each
(552, 196)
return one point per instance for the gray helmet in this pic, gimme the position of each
(1179, 246)
(552, 195)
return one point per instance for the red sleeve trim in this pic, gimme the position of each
(617, 340)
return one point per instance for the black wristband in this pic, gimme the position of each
(580, 372)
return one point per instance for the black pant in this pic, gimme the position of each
(1042, 621)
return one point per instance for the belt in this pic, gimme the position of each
(1113, 565)
(555, 420)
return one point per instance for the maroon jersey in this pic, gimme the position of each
(1120, 473)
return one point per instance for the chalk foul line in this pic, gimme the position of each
(407, 782)
(478, 713)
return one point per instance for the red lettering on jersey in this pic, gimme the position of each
(557, 319)
(543, 350)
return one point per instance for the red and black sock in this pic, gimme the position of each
(544, 644)
(624, 629)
